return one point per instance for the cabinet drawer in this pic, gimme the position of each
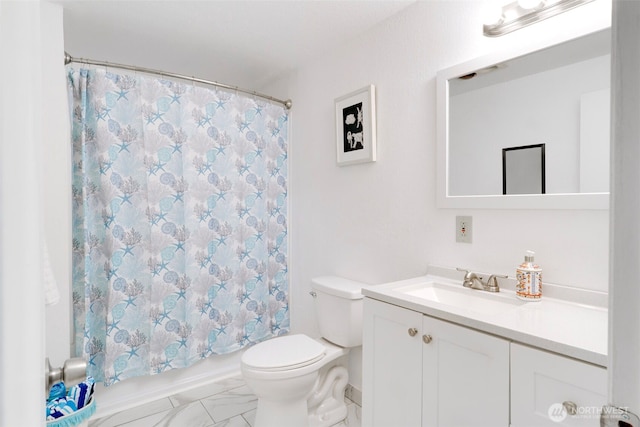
(541, 382)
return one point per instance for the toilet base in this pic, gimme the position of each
(326, 405)
(314, 397)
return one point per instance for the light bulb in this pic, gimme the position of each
(530, 4)
(492, 13)
(510, 14)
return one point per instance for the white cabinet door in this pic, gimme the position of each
(391, 363)
(465, 377)
(541, 382)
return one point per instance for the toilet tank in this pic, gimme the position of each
(338, 303)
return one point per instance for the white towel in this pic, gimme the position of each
(51, 294)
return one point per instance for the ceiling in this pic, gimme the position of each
(242, 43)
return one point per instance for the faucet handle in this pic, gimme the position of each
(492, 282)
(463, 269)
(467, 282)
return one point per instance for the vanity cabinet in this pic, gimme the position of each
(547, 388)
(421, 371)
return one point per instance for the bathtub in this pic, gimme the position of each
(138, 391)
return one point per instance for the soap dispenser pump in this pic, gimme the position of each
(529, 277)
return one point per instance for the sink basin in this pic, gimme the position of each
(478, 301)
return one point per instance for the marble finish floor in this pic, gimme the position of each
(228, 403)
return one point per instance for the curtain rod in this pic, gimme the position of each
(68, 59)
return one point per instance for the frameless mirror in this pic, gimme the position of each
(556, 98)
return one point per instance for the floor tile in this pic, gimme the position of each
(132, 414)
(206, 391)
(354, 416)
(250, 417)
(227, 403)
(238, 421)
(223, 406)
(191, 415)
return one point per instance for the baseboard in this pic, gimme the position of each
(353, 394)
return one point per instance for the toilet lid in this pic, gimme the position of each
(282, 353)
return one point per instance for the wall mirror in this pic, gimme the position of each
(553, 95)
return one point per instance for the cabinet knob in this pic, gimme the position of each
(570, 407)
(413, 332)
(427, 339)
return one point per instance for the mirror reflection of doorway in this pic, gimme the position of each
(523, 170)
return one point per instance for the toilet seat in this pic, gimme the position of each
(284, 353)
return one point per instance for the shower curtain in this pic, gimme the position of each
(179, 222)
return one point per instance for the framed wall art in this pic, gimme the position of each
(356, 127)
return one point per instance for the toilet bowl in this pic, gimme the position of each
(290, 393)
(301, 381)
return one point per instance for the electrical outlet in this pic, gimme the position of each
(464, 229)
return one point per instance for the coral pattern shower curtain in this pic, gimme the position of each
(179, 222)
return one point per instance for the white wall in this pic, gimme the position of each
(624, 316)
(56, 194)
(595, 127)
(27, 35)
(378, 222)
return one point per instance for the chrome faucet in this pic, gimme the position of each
(471, 280)
(474, 281)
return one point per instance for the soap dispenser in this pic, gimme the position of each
(529, 277)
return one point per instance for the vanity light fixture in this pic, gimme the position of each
(530, 4)
(521, 13)
(482, 71)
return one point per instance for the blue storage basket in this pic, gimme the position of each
(75, 419)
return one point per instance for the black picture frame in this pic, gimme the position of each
(523, 169)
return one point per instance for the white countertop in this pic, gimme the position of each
(564, 327)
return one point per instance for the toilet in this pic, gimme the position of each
(300, 381)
